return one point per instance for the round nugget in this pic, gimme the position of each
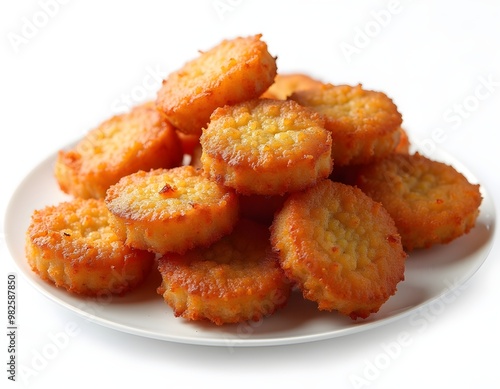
(233, 71)
(430, 201)
(73, 246)
(236, 279)
(138, 140)
(171, 210)
(285, 84)
(266, 147)
(364, 124)
(340, 247)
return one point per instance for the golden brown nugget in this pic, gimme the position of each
(236, 279)
(266, 147)
(171, 210)
(138, 140)
(340, 247)
(285, 84)
(430, 201)
(233, 71)
(364, 124)
(72, 246)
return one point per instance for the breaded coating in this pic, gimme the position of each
(285, 84)
(233, 71)
(138, 140)
(340, 247)
(266, 147)
(236, 279)
(430, 201)
(364, 124)
(72, 246)
(171, 210)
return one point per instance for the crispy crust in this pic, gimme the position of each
(364, 124)
(138, 140)
(266, 147)
(72, 246)
(285, 84)
(171, 210)
(340, 247)
(233, 71)
(236, 279)
(430, 201)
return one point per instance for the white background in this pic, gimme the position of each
(86, 58)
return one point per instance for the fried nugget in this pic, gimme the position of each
(233, 71)
(266, 147)
(236, 279)
(171, 210)
(431, 202)
(364, 124)
(340, 247)
(285, 84)
(138, 140)
(72, 246)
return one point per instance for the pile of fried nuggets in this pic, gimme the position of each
(259, 208)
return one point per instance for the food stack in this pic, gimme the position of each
(240, 184)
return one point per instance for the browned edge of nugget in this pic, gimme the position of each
(364, 123)
(430, 201)
(137, 140)
(72, 246)
(266, 147)
(235, 70)
(171, 210)
(340, 247)
(236, 279)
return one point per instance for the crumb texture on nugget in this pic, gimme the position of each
(236, 279)
(266, 147)
(171, 210)
(235, 70)
(73, 246)
(340, 247)
(138, 140)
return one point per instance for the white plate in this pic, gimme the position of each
(430, 275)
